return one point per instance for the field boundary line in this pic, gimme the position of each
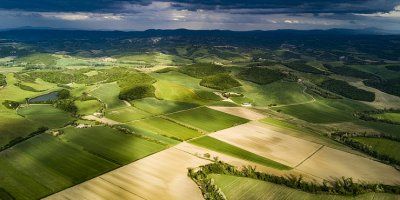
(121, 187)
(316, 151)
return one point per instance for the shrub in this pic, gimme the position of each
(220, 82)
(261, 75)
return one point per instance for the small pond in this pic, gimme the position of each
(44, 98)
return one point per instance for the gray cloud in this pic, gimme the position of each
(221, 14)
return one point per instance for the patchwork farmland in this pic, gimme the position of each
(166, 115)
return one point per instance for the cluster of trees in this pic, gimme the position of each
(200, 70)
(133, 84)
(17, 140)
(26, 87)
(303, 67)
(348, 71)
(395, 68)
(65, 102)
(391, 86)
(342, 186)
(220, 81)
(11, 104)
(137, 92)
(67, 105)
(3, 81)
(209, 190)
(345, 89)
(346, 138)
(261, 75)
(165, 70)
(368, 115)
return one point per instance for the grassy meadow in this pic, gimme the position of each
(382, 146)
(395, 117)
(167, 128)
(207, 119)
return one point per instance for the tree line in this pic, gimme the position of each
(340, 186)
(368, 115)
(346, 138)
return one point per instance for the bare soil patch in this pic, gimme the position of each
(264, 141)
(328, 163)
(159, 176)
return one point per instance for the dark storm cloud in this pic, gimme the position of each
(66, 5)
(240, 6)
(294, 6)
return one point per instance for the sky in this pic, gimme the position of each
(239, 15)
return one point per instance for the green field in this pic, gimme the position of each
(46, 115)
(264, 95)
(151, 135)
(44, 164)
(176, 92)
(87, 107)
(324, 111)
(225, 148)
(180, 79)
(240, 188)
(382, 146)
(108, 93)
(207, 119)
(165, 127)
(394, 117)
(385, 128)
(380, 70)
(158, 107)
(126, 114)
(13, 126)
(110, 144)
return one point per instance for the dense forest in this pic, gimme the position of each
(260, 75)
(391, 86)
(348, 71)
(347, 90)
(303, 67)
(220, 82)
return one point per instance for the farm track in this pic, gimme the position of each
(322, 146)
